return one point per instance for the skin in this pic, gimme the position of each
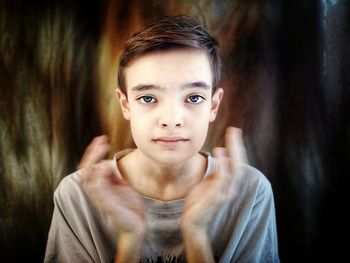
(95, 152)
(169, 108)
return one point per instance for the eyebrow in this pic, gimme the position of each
(142, 87)
(198, 84)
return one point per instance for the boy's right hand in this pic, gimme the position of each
(116, 199)
(95, 152)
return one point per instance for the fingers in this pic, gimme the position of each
(99, 148)
(235, 147)
(101, 139)
(229, 161)
(223, 168)
(99, 175)
(95, 152)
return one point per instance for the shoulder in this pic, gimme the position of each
(255, 191)
(254, 184)
(70, 190)
(255, 178)
(73, 204)
(250, 177)
(78, 229)
(69, 195)
(70, 185)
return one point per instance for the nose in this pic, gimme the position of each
(171, 117)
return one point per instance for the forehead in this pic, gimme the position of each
(169, 69)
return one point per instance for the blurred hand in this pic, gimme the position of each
(114, 197)
(121, 204)
(95, 152)
(206, 199)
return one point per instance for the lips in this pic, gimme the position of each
(170, 141)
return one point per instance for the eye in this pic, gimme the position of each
(195, 99)
(146, 99)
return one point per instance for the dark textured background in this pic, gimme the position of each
(286, 84)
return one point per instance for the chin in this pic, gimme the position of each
(171, 157)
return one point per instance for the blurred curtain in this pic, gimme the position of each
(286, 81)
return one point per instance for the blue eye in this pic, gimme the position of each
(146, 99)
(195, 99)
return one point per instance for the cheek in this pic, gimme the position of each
(200, 126)
(200, 116)
(135, 122)
(202, 130)
(138, 124)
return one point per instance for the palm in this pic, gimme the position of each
(115, 198)
(206, 199)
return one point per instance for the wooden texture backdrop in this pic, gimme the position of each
(286, 84)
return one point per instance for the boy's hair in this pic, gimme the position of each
(169, 33)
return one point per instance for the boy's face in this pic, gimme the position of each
(169, 103)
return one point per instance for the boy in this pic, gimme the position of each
(166, 201)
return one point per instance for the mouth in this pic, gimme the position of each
(171, 141)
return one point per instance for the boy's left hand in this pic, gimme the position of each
(206, 199)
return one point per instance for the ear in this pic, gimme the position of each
(124, 104)
(215, 103)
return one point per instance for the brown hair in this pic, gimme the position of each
(167, 33)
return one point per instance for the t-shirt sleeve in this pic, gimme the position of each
(72, 235)
(63, 245)
(260, 235)
(254, 237)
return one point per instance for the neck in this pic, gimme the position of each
(162, 181)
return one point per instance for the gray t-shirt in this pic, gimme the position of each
(243, 231)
